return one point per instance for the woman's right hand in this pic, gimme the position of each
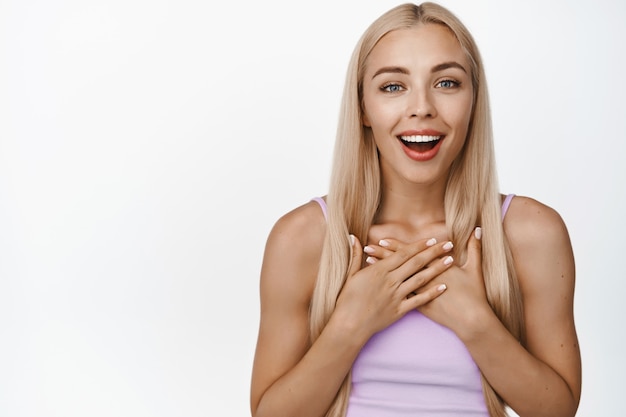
(378, 294)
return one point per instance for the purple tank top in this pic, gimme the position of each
(416, 368)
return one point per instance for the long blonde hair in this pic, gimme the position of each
(472, 197)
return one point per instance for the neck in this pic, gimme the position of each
(412, 205)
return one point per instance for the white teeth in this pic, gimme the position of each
(420, 138)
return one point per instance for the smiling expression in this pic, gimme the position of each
(417, 101)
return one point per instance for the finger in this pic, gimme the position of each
(424, 297)
(356, 256)
(415, 283)
(403, 252)
(387, 247)
(376, 253)
(420, 260)
(393, 245)
(474, 248)
(384, 249)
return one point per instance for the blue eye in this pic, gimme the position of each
(448, 84)
(392, 88)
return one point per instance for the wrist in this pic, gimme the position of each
(347, 331)
(477, 323)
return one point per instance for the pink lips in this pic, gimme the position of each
(417, 155)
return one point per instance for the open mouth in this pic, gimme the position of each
(420, 143)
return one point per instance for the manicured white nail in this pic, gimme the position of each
(448, 246)
(441, 287)
(383, 243)
(448, 260)
(352, 240)
(369, 249)
(478, 232)
(370, 260)
(431, 241)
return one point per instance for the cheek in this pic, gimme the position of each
(460, 114)
(378, 115)
(369, 111)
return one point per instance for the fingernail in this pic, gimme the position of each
(383, 243)
(448, 246)
(478, 232)
(431, 241)
(448, 260)
(441, 287)
(352, 240)
(368, 249)
(370, 260)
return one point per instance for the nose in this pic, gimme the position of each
(420, 104)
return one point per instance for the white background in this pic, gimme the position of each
(147, 147)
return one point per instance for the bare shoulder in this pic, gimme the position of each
(288, 275)
(293, 250)
(544, 263)
(530, 224)
(541, 250)
(300, 227)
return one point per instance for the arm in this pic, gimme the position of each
(542, 378)
(285, 366)
(547, 372)
(291, 376)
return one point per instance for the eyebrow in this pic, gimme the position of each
(391, 70)
(446, 65)
(436, 68)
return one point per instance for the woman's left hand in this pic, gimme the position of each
(464, 300)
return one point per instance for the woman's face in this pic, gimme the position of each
(417, 99)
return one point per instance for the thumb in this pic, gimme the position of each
(356, 256)
(474, 248)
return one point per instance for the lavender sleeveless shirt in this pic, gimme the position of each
(416, 368)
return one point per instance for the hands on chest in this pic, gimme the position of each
(390, 276)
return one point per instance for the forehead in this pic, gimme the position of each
(424, 45)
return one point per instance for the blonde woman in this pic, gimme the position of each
(415, 288)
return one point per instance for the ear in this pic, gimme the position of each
(365, 120)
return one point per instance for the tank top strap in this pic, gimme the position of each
(506, 204)
(322, 204)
